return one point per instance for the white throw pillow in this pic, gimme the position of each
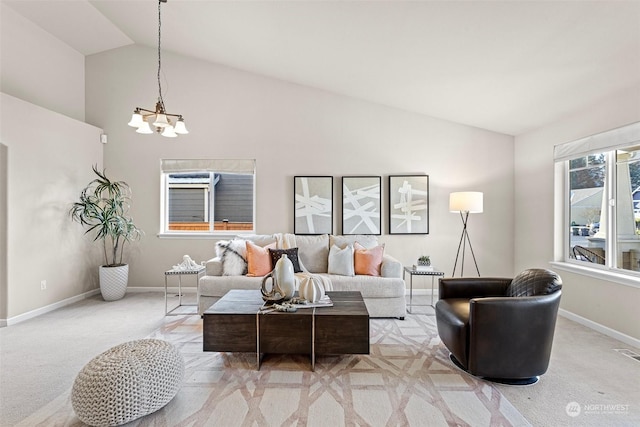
(341, 261)
(233, 254)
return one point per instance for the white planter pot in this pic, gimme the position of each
(113, 281)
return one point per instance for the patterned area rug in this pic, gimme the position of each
(407, 380)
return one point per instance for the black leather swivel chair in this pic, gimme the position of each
(497, 328)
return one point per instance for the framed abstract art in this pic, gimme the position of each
(409, 204)
(313, 205)
(361, 205)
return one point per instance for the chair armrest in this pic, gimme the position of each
(512, 335)
(390, 267)
(500, 310)
(472, 287)
(214, 267)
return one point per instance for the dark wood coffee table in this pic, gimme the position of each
(236, 324)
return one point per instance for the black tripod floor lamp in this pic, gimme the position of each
(465, 202)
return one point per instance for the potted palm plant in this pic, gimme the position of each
(103, 209)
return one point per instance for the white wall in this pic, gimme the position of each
(39, 68)
(45, 176)
(606, 303)
(294, 130)
(3, 235)
(45, 141)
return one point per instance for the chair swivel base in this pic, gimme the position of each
(507, 381)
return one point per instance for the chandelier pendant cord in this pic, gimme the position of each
(160, 99)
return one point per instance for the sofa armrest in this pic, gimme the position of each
(214, 267)
(390, 267)
(472, 287)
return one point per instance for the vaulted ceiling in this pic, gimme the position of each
(506, 66)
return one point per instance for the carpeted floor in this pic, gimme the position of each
(407, 380)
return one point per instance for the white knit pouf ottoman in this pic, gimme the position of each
(127, 382)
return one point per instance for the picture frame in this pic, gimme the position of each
(313, 205)
(409, 204)
(362, 205)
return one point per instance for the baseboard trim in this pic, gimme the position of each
(600, 328)
(170, 289)
(47, 308)
(421, 292)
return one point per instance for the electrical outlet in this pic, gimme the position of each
(43, 285)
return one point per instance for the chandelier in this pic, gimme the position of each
(159, 118)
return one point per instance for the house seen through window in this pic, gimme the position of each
(207, 201)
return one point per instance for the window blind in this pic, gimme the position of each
(605, 141)
(244, 166)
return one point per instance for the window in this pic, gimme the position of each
(602, 199)
(205, 197)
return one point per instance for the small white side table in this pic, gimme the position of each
(197, 272)
(433, 273)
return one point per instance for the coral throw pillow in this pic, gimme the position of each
(258, 259)
(368, 261)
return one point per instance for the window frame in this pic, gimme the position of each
(607, 143)
(609, 184)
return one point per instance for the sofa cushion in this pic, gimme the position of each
(341, 261)
(368, 261)
(534, 281)
(369, 286)
(291, 253)
(364, 239)
(313, 252)
(258, 259)
(390, 267)
(233, 254)
(259, 239)
(214, 267)
(217, 286)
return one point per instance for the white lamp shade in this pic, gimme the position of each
(136, 120)
(161, 121)
(466, 201)
(144, 128)
(180, 127)
(169, 132)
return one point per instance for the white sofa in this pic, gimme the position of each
(383, 295)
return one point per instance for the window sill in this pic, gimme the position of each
(631, 279)
(218, 235)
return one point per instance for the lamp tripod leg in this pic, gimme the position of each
(455, 264)
(464, 239)
(472, 254)
(464, 249)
